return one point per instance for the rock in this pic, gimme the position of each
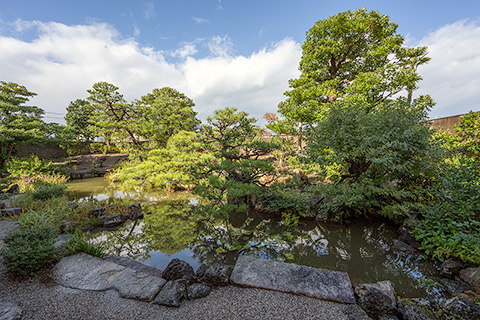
(112, 221)
(72, 204)
(408, 310)
(9, 212)
(62, 240)
(179, 269)
(85, 272)
(311, 205)
(354, 312)
(5, 204)
(201, 271)
(68, 226)
(462, 307)
(450, 268)
(198, 290)
(472, 277)
(171, 294)
(10, 311)
(377, 299)
(280, 276)
(217, 275)
(13, 189)
(134, 209)
(404, 236)
(402, 246)
(454, 286)
(388, 318)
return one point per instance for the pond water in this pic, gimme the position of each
(173, 230)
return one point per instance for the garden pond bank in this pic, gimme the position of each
(363, 249)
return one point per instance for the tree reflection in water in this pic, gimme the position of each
(360, 249)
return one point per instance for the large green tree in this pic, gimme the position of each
(355, 55)
(112, 115)
(241, 160)
(79, 120)
(163, 113)
(18, 122)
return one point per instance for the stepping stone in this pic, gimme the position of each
(10, 311)
(291, 278)
(85, 272)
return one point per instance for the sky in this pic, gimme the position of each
(220, 53)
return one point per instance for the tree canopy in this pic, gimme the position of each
(18, 122)
(350, 55)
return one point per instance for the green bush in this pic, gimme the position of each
(451, 226)
(27, 251)
(79, 243)
(49, 191)
(33, 165)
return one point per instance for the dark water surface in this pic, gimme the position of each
(173, 230)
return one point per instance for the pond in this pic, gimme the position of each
(173, 230)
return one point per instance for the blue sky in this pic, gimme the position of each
(220, 53)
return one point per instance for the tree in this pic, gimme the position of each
(112, 115)
(79, 120)
(163, 113)
(385, 155)
(18, 122)
(355, 55)
(468, 134)
(240, 162)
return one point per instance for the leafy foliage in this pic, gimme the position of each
(451, 225)
(241, 162)
(348, 55)
(163, 113)
(33, 165)
(79, 243)
(18, 122)
(49, 191)
(167, 168)
(27, 251)
(468, 134)
(385, 155)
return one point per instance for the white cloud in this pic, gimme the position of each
(149, 10)
(200, 20)
(452, 76)
(64, 61)
(189, 49)
(220, 46)
(136, 31)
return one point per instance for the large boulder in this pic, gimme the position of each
(217, 275)
(179, 269)
(171, 294)
(454, 286)
(460, 306)
(198, 290)
(377, 299)
(472, 277)
(291, 278)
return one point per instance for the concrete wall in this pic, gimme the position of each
(446, 123)
(43, 151)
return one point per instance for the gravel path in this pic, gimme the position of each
(41, 298)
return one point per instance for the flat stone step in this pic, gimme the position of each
(85, 272)
(291, 278)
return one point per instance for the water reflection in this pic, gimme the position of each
(176, 230)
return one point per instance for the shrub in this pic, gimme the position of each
(27, 251)
(49, 191)
(79, 243)
(33, 165)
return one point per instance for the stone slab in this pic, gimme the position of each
(82, 271)
(291, 278)
(10, 311)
